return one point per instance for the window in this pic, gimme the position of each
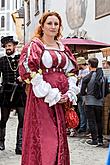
(102, 8)
(2, 22)
(36, 7)
(43, 6)
(2, 3)
(16, 5)
(28, 12)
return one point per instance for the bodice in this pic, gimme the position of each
(52, 58)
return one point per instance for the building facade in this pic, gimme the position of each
(80, 17)
(33, 11)
(7, 26)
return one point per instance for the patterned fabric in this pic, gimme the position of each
(44, 135)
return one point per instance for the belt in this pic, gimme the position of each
(51, 70)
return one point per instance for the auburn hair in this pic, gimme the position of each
(39, 32)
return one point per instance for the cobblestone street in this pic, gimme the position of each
(8, 156)
(81, 153)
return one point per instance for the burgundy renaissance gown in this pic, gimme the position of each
(44, 133)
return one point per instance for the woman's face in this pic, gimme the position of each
(51, 26)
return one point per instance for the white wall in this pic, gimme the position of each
(96, 29)
(29, 29)
(60, 7)
(9, 28)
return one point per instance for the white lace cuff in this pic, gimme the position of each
(43, 89)
(53, 96)
(73, 89)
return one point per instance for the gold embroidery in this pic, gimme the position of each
(70, 74)
(27, 81)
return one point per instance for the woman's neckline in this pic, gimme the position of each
(61, 46)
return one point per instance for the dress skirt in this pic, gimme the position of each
(44, 133)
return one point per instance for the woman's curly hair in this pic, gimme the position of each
(39, 32)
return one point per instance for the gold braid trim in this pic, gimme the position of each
(70, 74)
(27, 81)
(33, 74)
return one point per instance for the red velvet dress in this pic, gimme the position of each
(44, 134)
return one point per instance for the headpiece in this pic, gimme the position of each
(81, 60)
(7, 39)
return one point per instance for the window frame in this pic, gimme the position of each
(2, 22)
(102, 9)
(37, 7)
(2, 3)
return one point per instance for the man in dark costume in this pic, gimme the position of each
(13, 94)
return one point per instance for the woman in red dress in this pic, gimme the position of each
(48, 67)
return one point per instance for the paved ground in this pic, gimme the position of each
(81, 153)
(8, 157)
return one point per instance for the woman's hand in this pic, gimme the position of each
(64, 99)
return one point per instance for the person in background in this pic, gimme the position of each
(108, 65)
(93, 106)
(83, 71)
(13, 91)
(104, 62)
(48, 67)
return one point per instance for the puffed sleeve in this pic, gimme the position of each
(29, 61)
(70, 72)
(30, 72)
(42, 88)
(24, 70)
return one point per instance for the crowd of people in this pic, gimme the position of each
(53, 77)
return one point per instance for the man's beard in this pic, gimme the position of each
(9, 52)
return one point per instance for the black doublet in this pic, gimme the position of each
(10, 83)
